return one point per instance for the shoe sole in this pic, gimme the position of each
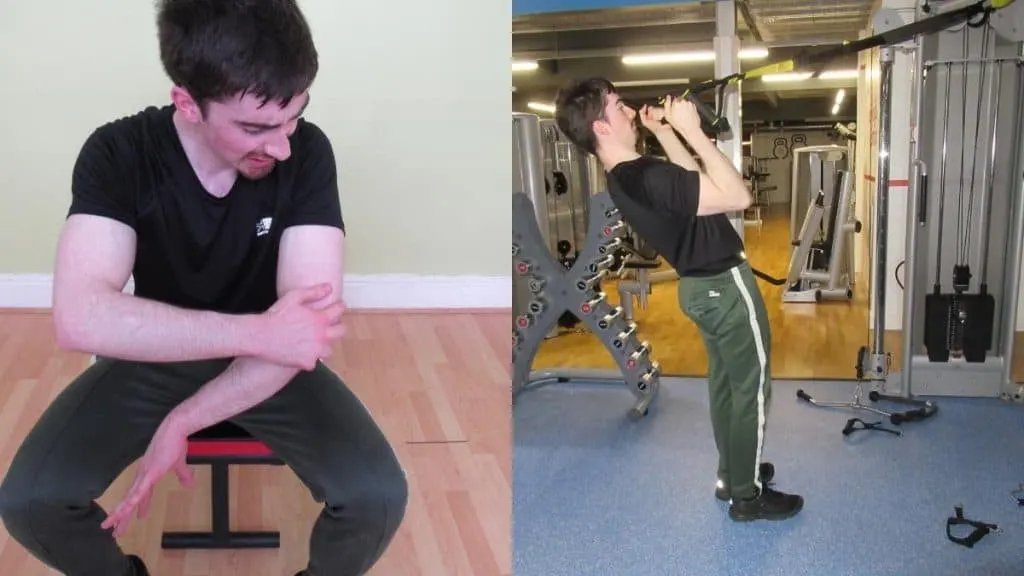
(770, 517)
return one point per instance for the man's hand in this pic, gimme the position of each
(298, 330)
(651, 117)
(166, 451)
(682, 115)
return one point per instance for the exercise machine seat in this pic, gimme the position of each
(220, 446)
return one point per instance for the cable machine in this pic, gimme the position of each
(958, 333)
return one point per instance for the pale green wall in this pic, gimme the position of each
(423, 149)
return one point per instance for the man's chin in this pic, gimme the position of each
(253, 172)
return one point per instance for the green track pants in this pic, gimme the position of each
(730, 313)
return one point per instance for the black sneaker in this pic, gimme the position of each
(770, 504)
(138, 566)
(767, 470)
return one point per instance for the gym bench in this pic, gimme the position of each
(220, 446)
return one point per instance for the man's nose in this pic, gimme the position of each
(279, 148)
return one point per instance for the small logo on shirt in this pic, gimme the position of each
(714, 293)
(263, 226)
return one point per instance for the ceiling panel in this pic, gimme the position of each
(576, 44)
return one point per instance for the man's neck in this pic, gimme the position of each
(215, 177)
(612, 158)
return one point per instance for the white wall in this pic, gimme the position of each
(777, 157)
(422, 142)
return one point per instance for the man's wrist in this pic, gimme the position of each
(249, 333)
(178, 423)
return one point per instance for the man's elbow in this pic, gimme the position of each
(744, 201)
(69, 327)
(74, 322)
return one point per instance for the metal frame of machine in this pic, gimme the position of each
(830, 194)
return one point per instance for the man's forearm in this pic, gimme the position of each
(127, 327)
(675, 150)
(246, 382)
(718, 167)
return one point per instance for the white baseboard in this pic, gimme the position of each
(384, 291)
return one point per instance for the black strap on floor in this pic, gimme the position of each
(981, 529)
(851, 426)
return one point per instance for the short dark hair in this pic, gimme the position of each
(216, 49)
(578, 105)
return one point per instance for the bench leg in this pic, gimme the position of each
(221, 535)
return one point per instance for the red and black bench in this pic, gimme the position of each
(220, 446)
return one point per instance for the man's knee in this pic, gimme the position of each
(379, 505)
(20, 504)
(386, 501)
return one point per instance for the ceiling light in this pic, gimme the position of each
(524, 65)
(835, 108)
(838, 75)
(638, 83)
(688, 57)
(839, 96)
(798, 76)
(786, 77)
(541, 107)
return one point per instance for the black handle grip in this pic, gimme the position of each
(922, 196)
(710, 121)
(803, 395)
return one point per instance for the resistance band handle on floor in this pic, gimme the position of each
(981, 529)
(851, 427)
(920, 414)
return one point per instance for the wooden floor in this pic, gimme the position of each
(809, 341)
(439, 386)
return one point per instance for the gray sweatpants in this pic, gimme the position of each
(104, 419)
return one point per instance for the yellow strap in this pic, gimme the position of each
(997, 4)
(785, 66)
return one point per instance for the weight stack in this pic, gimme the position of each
(941, 310)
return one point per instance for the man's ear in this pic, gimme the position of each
(601, 128)
(184, 102)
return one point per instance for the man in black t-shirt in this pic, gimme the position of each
(680, 210)
(224, 206)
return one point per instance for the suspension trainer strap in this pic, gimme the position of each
(981, 529)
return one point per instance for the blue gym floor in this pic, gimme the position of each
(595, 494)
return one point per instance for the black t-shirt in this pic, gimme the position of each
(195, 250)
(658, 199)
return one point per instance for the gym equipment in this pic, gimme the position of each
(1018, 495)
(821, 262)
(852, 426)
(543, 289)
(815, 169)
(638, 289)
(924, 412)
(556, 290)
(981, 529)
(220, 446)
(571, 178)
(966, 339)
